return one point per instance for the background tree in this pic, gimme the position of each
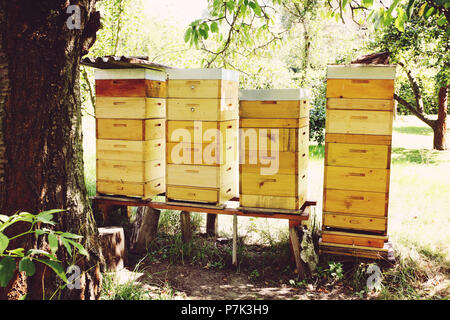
(416, 33)
(422, 51)
(40, 132)
(251, 24)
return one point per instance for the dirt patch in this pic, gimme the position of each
(177, 281)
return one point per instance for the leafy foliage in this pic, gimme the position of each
(422, 49)
(27, 259)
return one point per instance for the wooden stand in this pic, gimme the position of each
(385, 253)
(230, 208)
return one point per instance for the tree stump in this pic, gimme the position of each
(186, 229)
(145, 229)
(112, 241)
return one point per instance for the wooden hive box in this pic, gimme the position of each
(274, 138)
(358, 139)
(202, 134)
(130, 129)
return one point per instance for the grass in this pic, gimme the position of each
(419, 222)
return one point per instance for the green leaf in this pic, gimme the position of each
(367, 3)
(53, 242)
(203, 33)
(71, 235)
(16, 252)
(429, 12)
(400, 20)
(80, 248)
(7, 268)
(256, 8)
(32, 252)
(344, 3)
(56, 266)
(66, 244)
(45, 217)
(52, 211)
(28, 266)
(230, 5)
(187, 35)
(214, 27)
(442, 21)
(409, 8)
(4, 241)
(3, 218)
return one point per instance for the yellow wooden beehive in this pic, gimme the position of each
(274, 137)
(130, 119)
(358, 139)
(202, 131)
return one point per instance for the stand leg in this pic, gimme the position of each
(296, 249)
(212, 225)
(186, 230)
(235, 234)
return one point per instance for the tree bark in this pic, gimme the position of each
(40, 129)
(145, 229)
(440, 126)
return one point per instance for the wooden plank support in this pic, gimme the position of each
(301, 215)
(186, 230)
(296, 248)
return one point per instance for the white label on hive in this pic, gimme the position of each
(274, 94)
(141, 73)
(361, 71)
(202, 74)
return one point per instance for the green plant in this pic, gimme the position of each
(130, 290)
(317, 115)
(28, 258)
(298, 284)
(254, 275)
(334, 271)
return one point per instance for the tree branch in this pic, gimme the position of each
(415, 88)
(418, 114)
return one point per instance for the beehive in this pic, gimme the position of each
(202, 132)
(358, 139)
(274, 138)
(130, 118)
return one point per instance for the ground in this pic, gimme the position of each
(418, 226)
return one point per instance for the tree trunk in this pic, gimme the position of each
(41, 134)
(440, 126)
(145, 229)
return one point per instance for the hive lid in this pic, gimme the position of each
(274, 94)
(122, 62)
(361, 71)
(135, 73)
(202, 74)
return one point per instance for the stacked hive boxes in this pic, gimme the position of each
(130, 112)
(357, 158)
(274, 148)
(202, 132)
